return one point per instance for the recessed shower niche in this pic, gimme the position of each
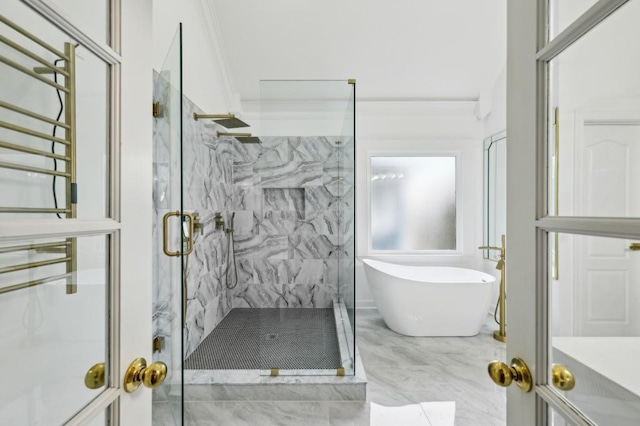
(267, 289)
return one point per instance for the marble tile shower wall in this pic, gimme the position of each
(207, 188)
(293, 199)
(206, 181)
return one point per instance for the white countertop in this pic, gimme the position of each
(613, 357)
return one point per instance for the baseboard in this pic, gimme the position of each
(366, 304)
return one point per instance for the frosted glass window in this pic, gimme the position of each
(413, 203)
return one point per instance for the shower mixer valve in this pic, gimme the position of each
(219, 222)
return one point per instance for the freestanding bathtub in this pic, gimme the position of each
(430, 300)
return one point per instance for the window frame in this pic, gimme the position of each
(458, 155)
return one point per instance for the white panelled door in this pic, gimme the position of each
(607, 162)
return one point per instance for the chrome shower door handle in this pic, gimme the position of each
(165, 234)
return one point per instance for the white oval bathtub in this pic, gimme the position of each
(430, 300)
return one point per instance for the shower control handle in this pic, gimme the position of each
(218, 221)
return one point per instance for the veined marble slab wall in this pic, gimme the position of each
(206, 182)
(293, 199)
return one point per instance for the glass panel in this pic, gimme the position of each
(413, 203)
(565, 12)
(595, 88)
(303, 107)
(168, 297)
(302, 249)
(595, 326)
(495, 193)
(93, 16)
(38, 187)
(54, 327)
(347, 222)
(101, 419)
(556, 419)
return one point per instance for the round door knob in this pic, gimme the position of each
(562, 378)
(94, 379)
(154, 374)
(139, 373)
(503, 374)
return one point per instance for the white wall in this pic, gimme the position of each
(420, 127)
(492, 109)
(205, 79)
(495, 120)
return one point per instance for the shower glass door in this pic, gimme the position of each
(168, 235)
(302, 250)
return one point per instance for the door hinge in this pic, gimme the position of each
(157, 344)
(157, 110)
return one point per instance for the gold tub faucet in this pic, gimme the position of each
(500, 334)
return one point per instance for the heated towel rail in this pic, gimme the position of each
(68, 247)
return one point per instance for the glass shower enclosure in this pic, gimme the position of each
(254, 233)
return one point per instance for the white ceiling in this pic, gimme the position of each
(397, 50)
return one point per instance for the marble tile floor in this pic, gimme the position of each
(401, 371)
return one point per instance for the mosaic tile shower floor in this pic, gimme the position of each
(265, 338)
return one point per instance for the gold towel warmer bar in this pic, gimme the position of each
(67, 247)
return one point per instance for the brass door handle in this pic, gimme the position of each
(94, 379)
(165, 233)
(634, 246)
(503, 374)
(139, 373)
(562, 378)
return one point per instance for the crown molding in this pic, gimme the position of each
(305, 109)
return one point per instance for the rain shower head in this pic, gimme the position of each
(241, 137)
(229, 121)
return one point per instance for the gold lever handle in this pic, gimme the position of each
(634, 246)
(165, 233)
(503, 374)
(562, 378)
(489, 248)
(139, 373)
